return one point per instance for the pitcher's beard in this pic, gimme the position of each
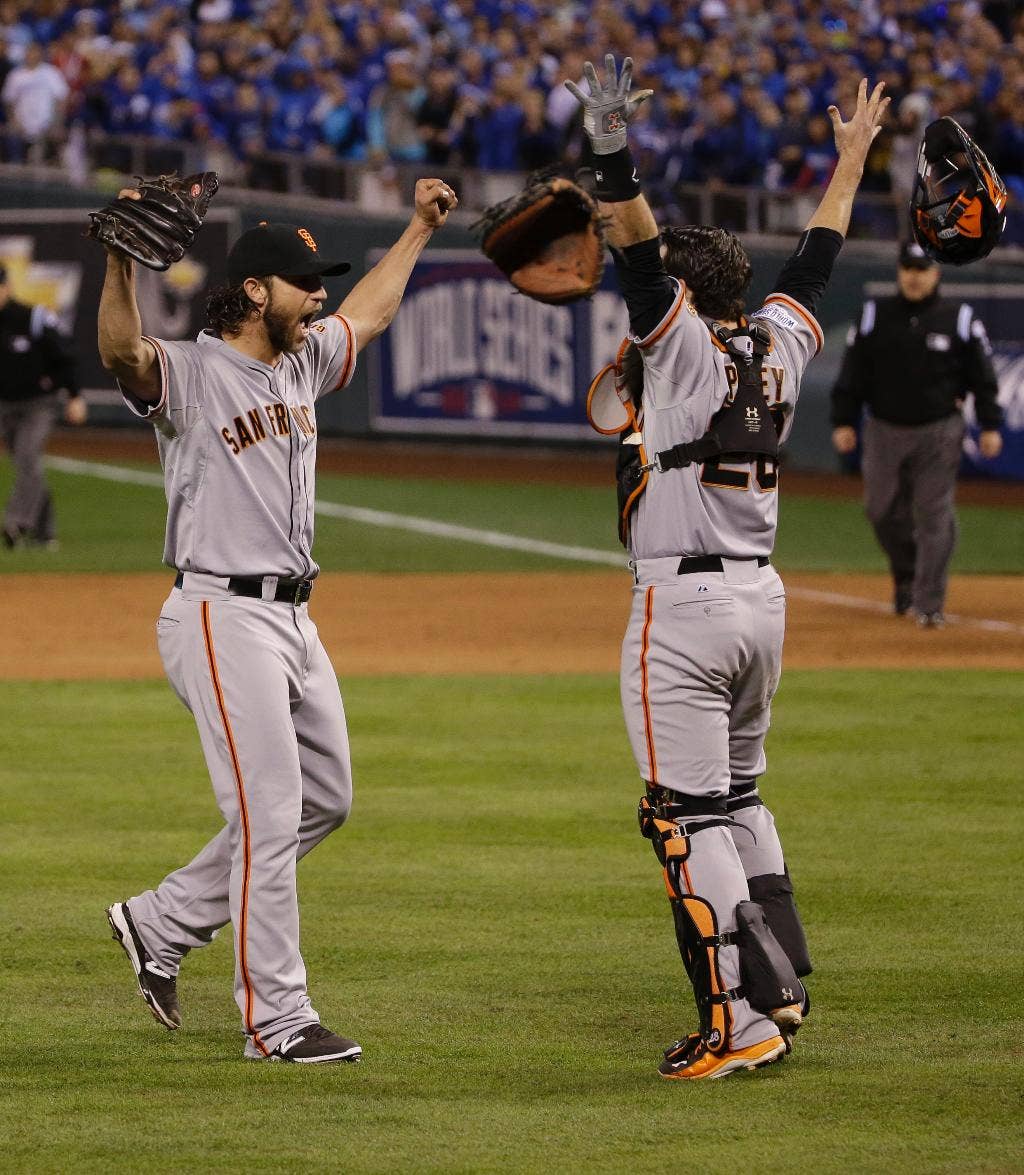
(282, 331)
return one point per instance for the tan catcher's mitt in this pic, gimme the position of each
(157, 228)
(548, 240)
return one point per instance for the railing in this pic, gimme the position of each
(388, 187)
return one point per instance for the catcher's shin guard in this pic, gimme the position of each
(760, 850)
(696, 926)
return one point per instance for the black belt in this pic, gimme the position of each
(691, 563)
(290, 591)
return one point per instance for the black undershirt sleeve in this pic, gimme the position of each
(648, 290)
(805, 275)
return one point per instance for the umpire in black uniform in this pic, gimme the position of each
(37, 370)
(912, 360)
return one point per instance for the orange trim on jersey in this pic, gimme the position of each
(243, 810)
(350, 358)
(161, 356)
(802, 312)
(666, 322)
(645, 646)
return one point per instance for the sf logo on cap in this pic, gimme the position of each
(307, 236)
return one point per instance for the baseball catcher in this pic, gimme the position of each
(548, 240)
(158, 225)
(701, 395)
(957, 210)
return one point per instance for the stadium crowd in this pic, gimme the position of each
(741, 87)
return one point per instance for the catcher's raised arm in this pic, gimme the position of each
(607, 111)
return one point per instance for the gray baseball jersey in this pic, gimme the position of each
(715, 508)
(702, 653)
(237, 441)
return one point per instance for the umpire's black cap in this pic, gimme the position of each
(912, 256)
(282, 250)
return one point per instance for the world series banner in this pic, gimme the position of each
(467, 355)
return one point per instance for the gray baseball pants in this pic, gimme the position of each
(701, 661)
(26, 426)
(271, 721)
(909, 497)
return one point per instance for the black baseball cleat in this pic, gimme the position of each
(903, 598)
(313, 1044)
(158, 988)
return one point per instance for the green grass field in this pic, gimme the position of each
(492, 928)
(490, 925)
(108, 526)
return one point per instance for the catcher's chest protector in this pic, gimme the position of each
(741, 429)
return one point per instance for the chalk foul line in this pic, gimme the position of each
(433, 528)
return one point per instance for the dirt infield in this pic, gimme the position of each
(103, 626)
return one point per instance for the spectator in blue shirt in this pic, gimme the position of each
(215, 91)
(291, 125)
(500, 123)
(391, 130)
(341, 120)
(246, 123)
(126, 108)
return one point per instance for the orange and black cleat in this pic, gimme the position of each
(691, 1059)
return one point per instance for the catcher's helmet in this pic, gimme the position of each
(957, 211)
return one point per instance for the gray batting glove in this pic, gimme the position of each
(608, 108)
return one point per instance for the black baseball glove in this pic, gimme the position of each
(157, 228)
(548, 240)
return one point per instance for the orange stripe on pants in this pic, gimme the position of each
(243, 810)
(645, 646)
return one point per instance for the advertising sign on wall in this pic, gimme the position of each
(467, 355)
(51, 263)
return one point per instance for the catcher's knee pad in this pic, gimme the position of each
(774, 893)
(768, 978)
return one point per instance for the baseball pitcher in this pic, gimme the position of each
(235, 419)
